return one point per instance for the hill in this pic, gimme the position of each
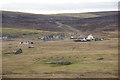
(48, 58)
(80, 15)
(84, 22)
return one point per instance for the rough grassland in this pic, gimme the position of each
(23, 33)
(83, 55)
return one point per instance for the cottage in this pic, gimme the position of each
(52, 37)
(81, 37)
(62, 36)
(71, 37)
(90, 37)
(56, 37)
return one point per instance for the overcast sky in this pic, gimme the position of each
(58, 6)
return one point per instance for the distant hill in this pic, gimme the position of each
(71, 22)
(80, 15)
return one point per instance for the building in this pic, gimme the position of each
(90, 37)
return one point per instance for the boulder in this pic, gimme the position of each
(99, 39)
(17, 52)
(100, 58)
(31, 47)
(61, 63)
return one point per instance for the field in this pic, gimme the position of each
(32, 63)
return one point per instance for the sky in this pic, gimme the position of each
(58, 6)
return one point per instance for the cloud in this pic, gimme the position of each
(52, 6)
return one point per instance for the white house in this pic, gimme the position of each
(90, 37)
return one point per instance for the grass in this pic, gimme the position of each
(22, 33)
(81, 15)
(83, 56)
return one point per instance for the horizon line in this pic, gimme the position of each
(57, 13)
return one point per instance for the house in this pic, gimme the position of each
(62, 36)
(81, 37)
(56, 37)
(52, 37)
(71, 37)
(84, 40)
(90, 37)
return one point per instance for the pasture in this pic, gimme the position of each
(32, 63)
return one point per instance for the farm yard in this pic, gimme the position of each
(47, 59)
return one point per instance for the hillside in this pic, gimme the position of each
(80, 15)
(35, 47)
(94, 22)
(89, 14)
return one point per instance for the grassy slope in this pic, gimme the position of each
(80, 15)
(83, 22)
(30, 33)
(88, 15)
(18, 33)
